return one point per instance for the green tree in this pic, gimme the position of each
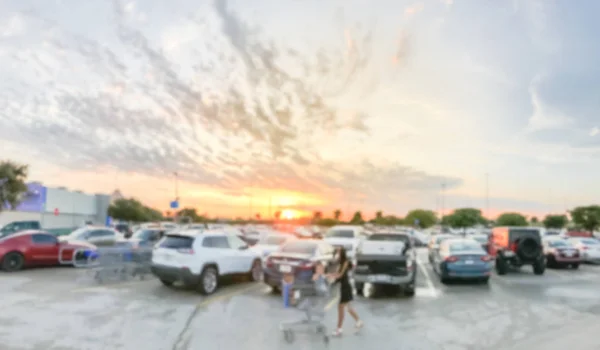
(587, 217)
(317, 216)
(130, 209)
(426, 218)
(357, 219)
(555, 221)
(12, 184)
(327, 222)
(337, 214)
(534, 220)
(464, 218)
(511, 219)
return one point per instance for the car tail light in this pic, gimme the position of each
(486, 258)
(513, 246)
(451, 259)
(585, 248)
(306, 266)
(269, 262)
(186, 251)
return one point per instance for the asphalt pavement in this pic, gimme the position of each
(62, 309)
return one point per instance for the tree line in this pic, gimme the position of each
(13, 177)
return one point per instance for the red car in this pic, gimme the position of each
(37, 248)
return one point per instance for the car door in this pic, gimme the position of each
(217, 250)
(242, 257)
(96, 237)
(109, 237)
(44, 249)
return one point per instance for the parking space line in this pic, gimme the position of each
(430, 285)
(230, 294)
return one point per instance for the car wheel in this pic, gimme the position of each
(166, 283)
(485, 280)
(539, 266)
(551, 262)
(13, 261)
(209, 280)
(575, 266)
(501, 267)
(256, 271)
(359, 288)
(275, 290)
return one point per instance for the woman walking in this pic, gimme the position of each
(345, 292)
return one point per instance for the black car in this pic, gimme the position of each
(298, 257)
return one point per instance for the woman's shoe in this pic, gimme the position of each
(358, 326)
(337, 333)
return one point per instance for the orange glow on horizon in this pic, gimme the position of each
(288, 214)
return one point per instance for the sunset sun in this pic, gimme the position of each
(288, 214)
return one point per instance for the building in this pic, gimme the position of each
(58, 208)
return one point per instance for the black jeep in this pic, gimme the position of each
(517, 246)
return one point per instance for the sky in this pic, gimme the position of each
(244, 107)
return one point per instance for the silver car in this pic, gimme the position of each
(434, 244)
(96, 235)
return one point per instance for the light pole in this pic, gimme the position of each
(443, 199)
(176, 186)
(487, 195)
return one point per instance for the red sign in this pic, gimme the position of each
(56, 212)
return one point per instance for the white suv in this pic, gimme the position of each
(198, 259)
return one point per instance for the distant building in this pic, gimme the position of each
(58, 207)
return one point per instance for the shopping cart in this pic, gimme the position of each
(114, 263)
(310, 299)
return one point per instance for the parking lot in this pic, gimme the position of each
(57, 308)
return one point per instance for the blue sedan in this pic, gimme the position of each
(462, 259)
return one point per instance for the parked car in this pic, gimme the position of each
(96, 235)
(271, 243)
(37, 248)
(462, 258)
(482, 239)
(560, 252)
(589, 248)
(517, 246)
(124, 229)
(347, 236)
(199, 259)
(386, 258)
(434, 244)
(18, 226)
(143, 238)
(298, 257)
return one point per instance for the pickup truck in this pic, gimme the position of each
(386, 259)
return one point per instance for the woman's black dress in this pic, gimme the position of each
(345, 288)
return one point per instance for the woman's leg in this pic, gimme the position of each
(352, 312)
(340, 315)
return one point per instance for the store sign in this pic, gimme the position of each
(34, 200)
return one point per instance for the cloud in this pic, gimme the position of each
(595, 131)
(544, 116)
(14, 26)
(226, 108)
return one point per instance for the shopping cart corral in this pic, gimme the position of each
(310, 299)
(119, 263)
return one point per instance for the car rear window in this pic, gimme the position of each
(300, 247)
(440, 239)
(559, 243)
(177, 242)
(340, 234)
(463, 246)
(481, 238)
(524, 231)
(590, 242)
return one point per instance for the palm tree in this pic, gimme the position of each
(379, 215)
(12, 184)
(337, 214)
(317, 215)
(357, 219)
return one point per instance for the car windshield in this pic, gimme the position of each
(143, 234)
(340, 234)
(464, 246)
(390, 237)
(559, 243)
(273, 240)
(299, 247)
(590, 242)
(480, 238)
